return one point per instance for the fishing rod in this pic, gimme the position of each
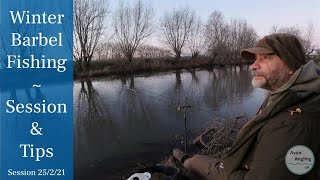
(184, 108)
(179, 108)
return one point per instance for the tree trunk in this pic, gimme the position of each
(87, 67)
(194, 55)
(78, 65)
(130, 57)
(178, 55)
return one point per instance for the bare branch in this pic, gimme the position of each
(176, 27)
(241, 36)
(148, 51)
(196, 42)
(305, 36)
(225, 40)
(216, 34)
(89, 19)
(132, 26)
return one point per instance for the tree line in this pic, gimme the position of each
(127, 30)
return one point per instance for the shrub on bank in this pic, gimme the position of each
(107, 67)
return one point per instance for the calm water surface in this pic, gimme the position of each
(120, 122)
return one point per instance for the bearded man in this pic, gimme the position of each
(282, 140)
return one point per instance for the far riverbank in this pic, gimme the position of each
(122, 67)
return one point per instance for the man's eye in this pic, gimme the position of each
(267, 57)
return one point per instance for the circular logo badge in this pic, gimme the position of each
(299, 159)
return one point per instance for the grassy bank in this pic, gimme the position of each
(100, 68)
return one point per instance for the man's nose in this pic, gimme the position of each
(255, 65)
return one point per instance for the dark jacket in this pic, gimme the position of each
(260, 149)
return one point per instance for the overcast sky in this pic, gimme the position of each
(261, 14)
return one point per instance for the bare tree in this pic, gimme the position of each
(148, 51)
(318, 51)
(132, 26)
(217, 32)
(241, 35)
(115, 51)
(294, 30)
(225, 40)
(317, 57)
(305, 36)
(89, 19)
(176, 27)
(308, 36)
(196, 41)
(103, 49)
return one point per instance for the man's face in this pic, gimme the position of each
(269, 72)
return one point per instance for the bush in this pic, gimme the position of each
(105, 67)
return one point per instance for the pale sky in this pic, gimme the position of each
(261, 14)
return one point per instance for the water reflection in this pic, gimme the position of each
(194, 76)
(230, 84)
(91, 109)
(121, 122)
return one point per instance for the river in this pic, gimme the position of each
(120, 122)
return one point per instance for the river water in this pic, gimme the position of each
(119, 122)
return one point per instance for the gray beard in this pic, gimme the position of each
(276, 79)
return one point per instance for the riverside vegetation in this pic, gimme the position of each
(99, 68)
(137, 41)
(122, 67)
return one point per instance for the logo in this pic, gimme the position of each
(299, 159)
